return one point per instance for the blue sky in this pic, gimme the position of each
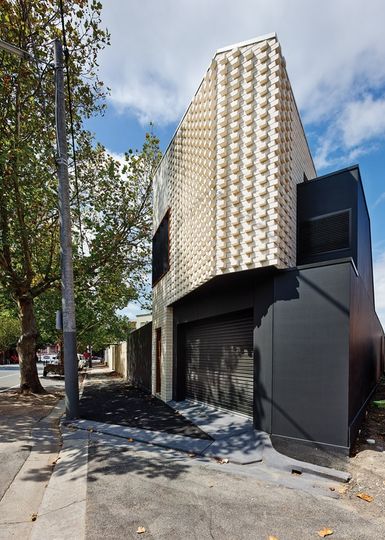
(334, 49)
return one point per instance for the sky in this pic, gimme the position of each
(335, 56)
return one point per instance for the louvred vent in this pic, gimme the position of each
(324, 234)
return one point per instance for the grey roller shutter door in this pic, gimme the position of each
(219, 361)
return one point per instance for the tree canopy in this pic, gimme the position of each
(111, 198)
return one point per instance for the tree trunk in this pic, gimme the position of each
(26, 347)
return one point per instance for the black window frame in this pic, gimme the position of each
(160, 269)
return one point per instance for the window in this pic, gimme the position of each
(160, 250)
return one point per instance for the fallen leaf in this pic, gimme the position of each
(325, 532)
(140, 530)
(33, 517)
(365, 497)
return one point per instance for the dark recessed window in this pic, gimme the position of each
(324, 233)
(160, 250)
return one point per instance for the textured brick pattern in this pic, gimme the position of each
(229, 179)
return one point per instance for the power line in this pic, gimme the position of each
(66, 57)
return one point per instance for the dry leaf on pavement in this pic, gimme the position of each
(365, 497)
(140, 530)
(325, 532)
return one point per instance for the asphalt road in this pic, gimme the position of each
(10, 378)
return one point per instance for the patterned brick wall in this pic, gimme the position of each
(229, 179)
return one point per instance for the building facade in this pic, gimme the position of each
(234, 251)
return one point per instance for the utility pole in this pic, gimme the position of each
(67, 277)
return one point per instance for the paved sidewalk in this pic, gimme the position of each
(111, 400)
(62, 512)
(29, 448)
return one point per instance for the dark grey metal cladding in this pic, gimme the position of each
(219, 362)
(364, 244)
(263, 352)
(311, 354)
(365, 358)
(323, 207)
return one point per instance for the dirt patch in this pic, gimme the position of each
(372, 433)
(14, 400)
(19, 412)
(368, 462)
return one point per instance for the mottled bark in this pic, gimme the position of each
(26, 347)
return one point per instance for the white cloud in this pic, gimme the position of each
(379, 286)
(131, 310)
(363, 120)
(119, 157)
(356, 131)
(160, 50)
(379, 199)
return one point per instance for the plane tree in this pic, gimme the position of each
(110, 199)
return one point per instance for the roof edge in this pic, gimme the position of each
(271, 35)
(252, 41)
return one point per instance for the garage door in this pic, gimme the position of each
(218, 356)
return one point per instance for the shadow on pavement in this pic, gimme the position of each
(106, 460)
(118, 402)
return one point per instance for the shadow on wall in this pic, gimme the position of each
(219, 362)
(266, 296)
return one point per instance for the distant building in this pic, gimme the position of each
(142, 319)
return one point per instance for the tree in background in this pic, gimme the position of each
(113, 199)
(9, 331)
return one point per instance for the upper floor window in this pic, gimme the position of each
(160, 250)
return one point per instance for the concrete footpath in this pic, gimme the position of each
(21, 500)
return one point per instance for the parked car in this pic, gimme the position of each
(49, 359)
(58, 368)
